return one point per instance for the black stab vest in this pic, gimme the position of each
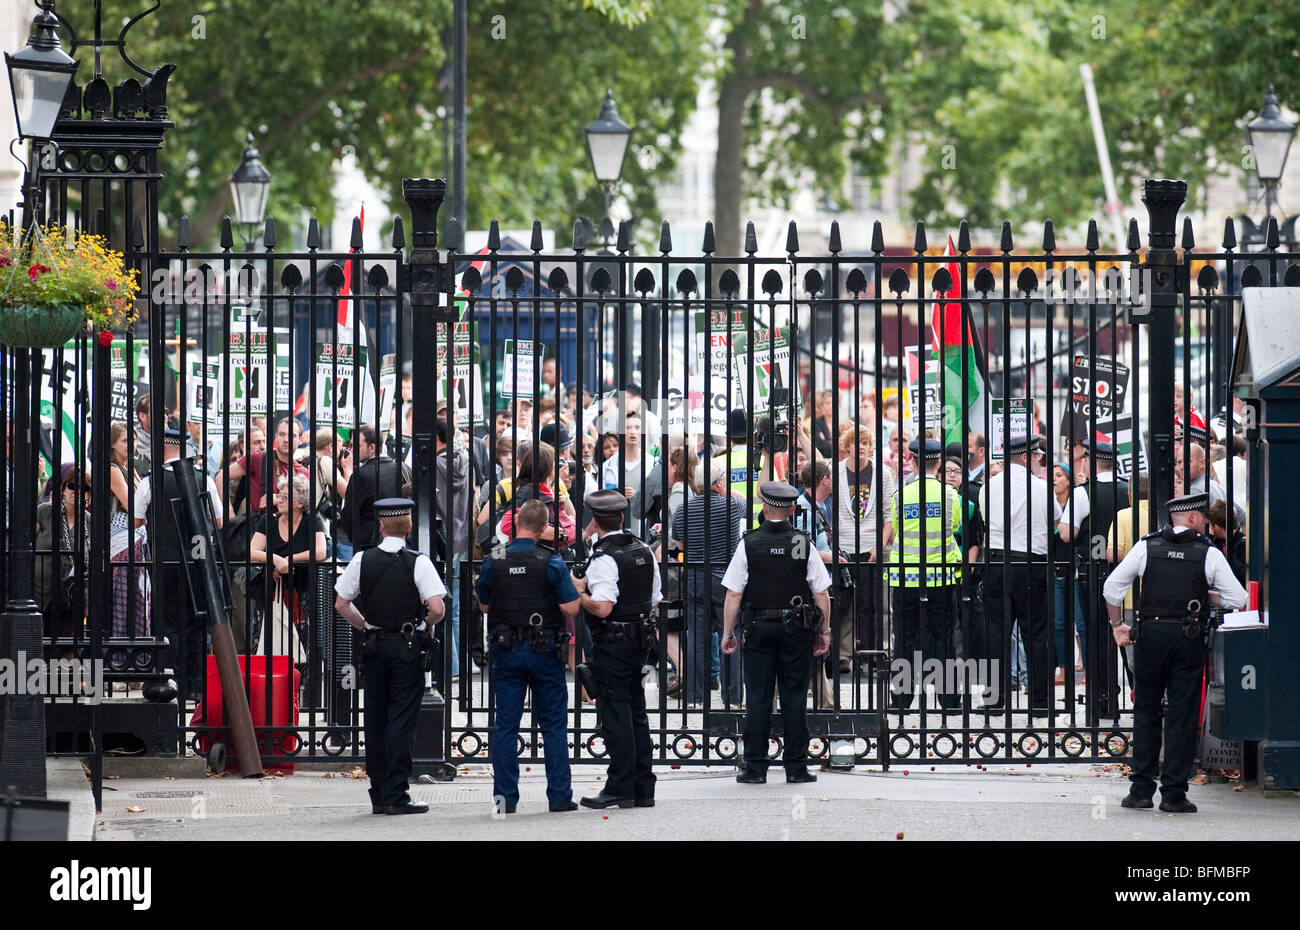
(636, 569)
(1105, 500)
(389, 596)
(521, 589)
(775, 574)
(1174, 575)
(160, 509)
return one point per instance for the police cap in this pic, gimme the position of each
(393, 507)
(1189, 502)
(609, 503)
(1102, 451)
(737, 425)
(173, 436)
(929, 450)
(778, 494)
(1020, 444)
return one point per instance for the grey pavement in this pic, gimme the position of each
(1026, 803)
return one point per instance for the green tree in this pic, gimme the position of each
(312, 80)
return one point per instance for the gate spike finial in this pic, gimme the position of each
(624, 240)
(1049, 236)
(665, 238)
(399, 234)
(963, 237)
(877, 238)
(355, 242)
(313, 234)
(1134, 236)
(1189, 240)
(751, 238)
(1006, 245)
(1229, 234)
(494, 237)
(1093, 242)
(536, 243)
(835, 246)
(708, 247)
(919, 244)
(227, 234)
(455, 234)
(1274, 238)
(792, 238)
(183, 233)
(579, 235)
(268, 234)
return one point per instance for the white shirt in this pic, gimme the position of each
(1082, 504)
(427, 580)
(602, 577)
(737, 575)
(144, 494)
(1217, 573)
(1030, 528)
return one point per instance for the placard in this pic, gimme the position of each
(1018, 408)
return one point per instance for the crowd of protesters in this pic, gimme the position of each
(295, 500)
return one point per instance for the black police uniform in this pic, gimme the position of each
(778, 647)
(187, 639)
(394, 662)
(621, 642)
(1168, 654)
(1101, 657)
(523, 585)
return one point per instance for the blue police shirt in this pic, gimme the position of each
(557, 573)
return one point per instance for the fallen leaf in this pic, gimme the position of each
(134, 810)
(1201, 780)
(1238, 787)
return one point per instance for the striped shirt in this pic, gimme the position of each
(725, 513)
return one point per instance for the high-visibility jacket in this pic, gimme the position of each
(741, 465)
(924, 544)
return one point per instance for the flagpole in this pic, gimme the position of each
(1113, 204)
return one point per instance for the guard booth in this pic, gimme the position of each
(1258, 694)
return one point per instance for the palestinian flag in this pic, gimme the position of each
(946, 340)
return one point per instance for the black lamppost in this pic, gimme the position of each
(39, 76)
(249, 186)
(607, 140)
(1270, 140)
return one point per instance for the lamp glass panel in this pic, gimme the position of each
(1270, 148)
(250, 200)
(607, 150)
(38, 96)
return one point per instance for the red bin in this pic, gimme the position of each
(284, 709)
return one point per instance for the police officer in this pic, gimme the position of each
(187, 637)
(400, 597)
(526, 592)
(1182, 575)
(773, 581)
(620, 589)
(925, 569)
(1089, 520)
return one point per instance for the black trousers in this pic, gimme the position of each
(1164, 660)
(394, 685)
(1016, 593)
(776, 659)
(858, 618)
(186, 635)
(932, 639)
(1100, 654)
(620, 702)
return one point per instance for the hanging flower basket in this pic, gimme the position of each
(53, 285)
(32, 326)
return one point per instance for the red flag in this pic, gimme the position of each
(950, 312)
(346, 308)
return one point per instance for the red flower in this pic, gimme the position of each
(36, 270)
(106, 338)
(112, 285)
(5, 261)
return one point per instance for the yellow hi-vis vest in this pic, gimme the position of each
(924, 546)
(740, 464)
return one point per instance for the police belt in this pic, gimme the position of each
(386, 633)
(995, 556)
(534, 621)
(1183, 619)
(614, 631)
(769, 613)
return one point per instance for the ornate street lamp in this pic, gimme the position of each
(1270, 140)
(249, 185)
(39, 76)
(607, 140)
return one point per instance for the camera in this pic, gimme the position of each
(776, 426)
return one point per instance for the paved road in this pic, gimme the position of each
(1043, 802)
